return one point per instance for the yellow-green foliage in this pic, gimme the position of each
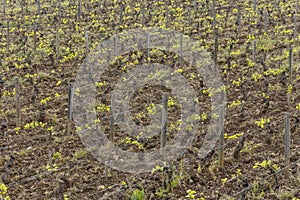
(138, 195)
(261, 122)
(234, 136)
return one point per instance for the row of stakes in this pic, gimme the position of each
(163, 135)
(165, 96)
(195, 5)
(215, 30)
(164, 111)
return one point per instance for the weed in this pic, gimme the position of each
(3, 192)
(138, 195)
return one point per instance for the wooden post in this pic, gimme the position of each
(180, 50)
(106, 170)
(290, 74)
(116, 42)
(167, 14)
(4, 9)
(143, 16)
(112, 107)
(121, 14)
(148, 44)
(216, 45)
(253, 53)
(221, 138)
(39, 9)
(34, 37)
(17, 89)
(164, 116)
(59, 12)
(70, 105)
(26, 7)
(265, 21)
(22, 10)
(57, 44)
(50, 159)
(290, 64)
(295, 25)
(190, 16)
(7, 37)
(86, 39)
(214, 14)
(287, 144)
(78, 11)
(239, 20)
(254, 5)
